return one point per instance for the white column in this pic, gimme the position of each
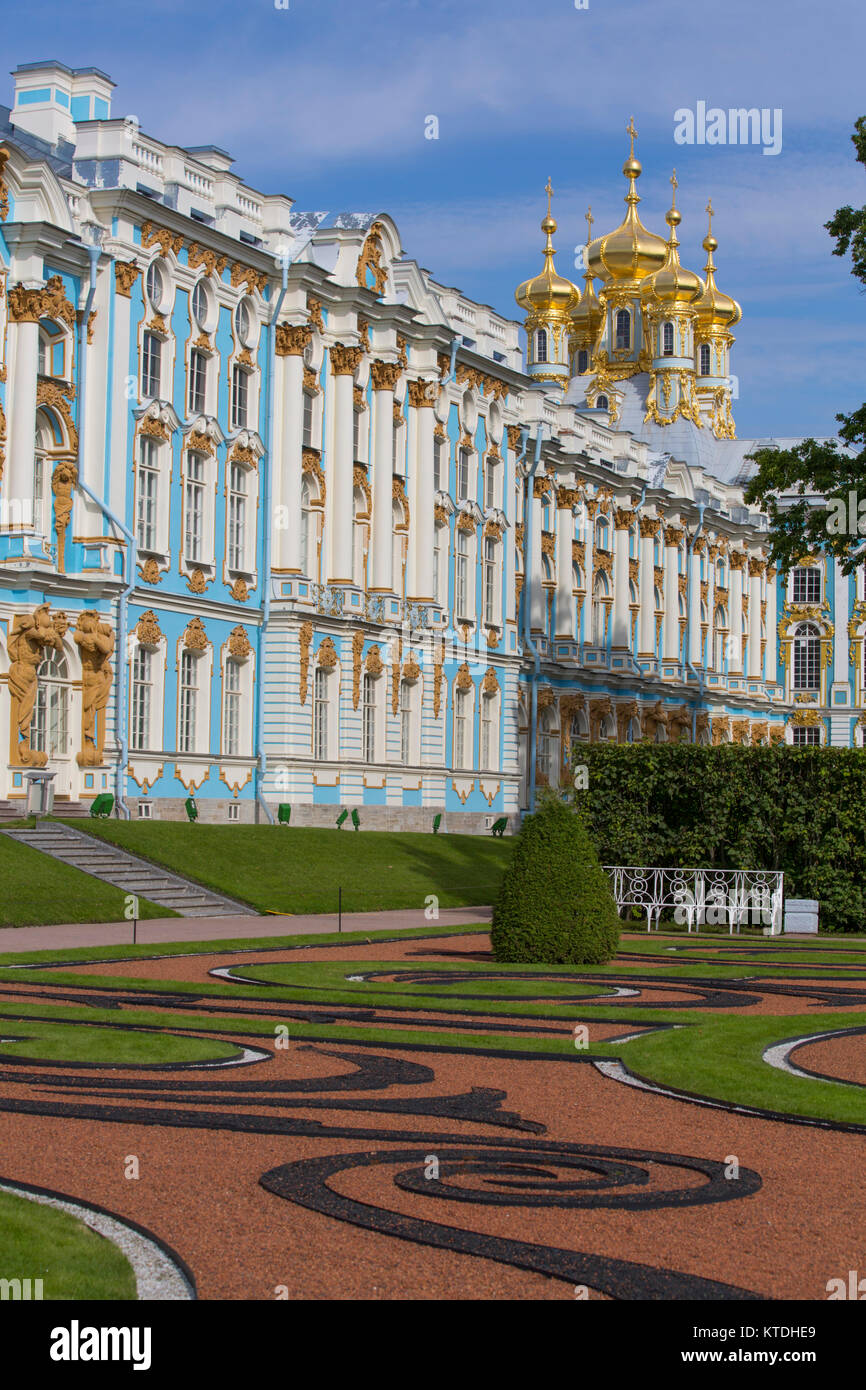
(421, 506)
(842, 608)
(21, 402)
(770, 672)
(756, 568)
(711, 601)
(384, 376)
(287, 463)
(344, 361)
(621, 637)
(509, 540)
(694, 602)
(648, 532)
(673, 536)
(735, 653)
(590, 509)
(564, 612)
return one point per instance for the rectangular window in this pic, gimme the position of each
(197, 382)
(369, 719)
(237, 517)
(803, 736)
(308, 420)
(142, 692)
(356, 436)
(194, 508)
(462, 575)
(320, 714)
(240, 397)
(807, 663)
(187, 705)
(148, 489)
(151, 366)
(489, 582)
(806, 584)
(486, 730)
(232, 709)
(437, 465)
(405, 722)
(489, 485)
(463, 475)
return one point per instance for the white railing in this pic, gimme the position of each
(703, 896)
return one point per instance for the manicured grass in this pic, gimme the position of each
(64, 1042)
(277, 869)
(73, 1262)
(36, 890)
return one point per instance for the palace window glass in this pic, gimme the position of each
(142, 697)
(240, 397)
(463, 475)
(462, 574)
(667, 340)
(437, 465)
(151, 366)
(188, 704)
(541, 345)
(308, 420)
(805, 735)
(49, 732)
(148, 490)
(369, 718)
(405, 722)
(489, 581)
(232, 709)
(807, 658)
(461, 727)
(705, 359)
(197, 382)
(194, 508)
(806, 584)
(623, 328)
(320, 714)
(237, 516)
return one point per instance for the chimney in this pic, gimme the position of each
(50, 99)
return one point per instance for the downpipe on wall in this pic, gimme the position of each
(699, 675)
(528, 643)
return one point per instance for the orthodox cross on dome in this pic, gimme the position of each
(589, 221)
(631, 132)
(709, 209)
(548, 188)
(674, 186)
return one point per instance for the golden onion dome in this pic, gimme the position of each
(715, 309)
(631, 252)
(547, 295)
(588, 316)
(673, 284)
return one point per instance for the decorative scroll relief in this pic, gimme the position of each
(48, 302)
(148, 630)
(372, 259)
(305, 637)
(239, 643)
(194, 635)
(161, 236)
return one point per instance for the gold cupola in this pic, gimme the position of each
(673, 284)
(548, 300)
(626, 256)
(715, 309)
(587, 318)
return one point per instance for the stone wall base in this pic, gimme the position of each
(215, 811)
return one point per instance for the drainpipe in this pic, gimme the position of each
(262, 766)
(129, 554)
(698, 674)
(527, 612)
(455, 343)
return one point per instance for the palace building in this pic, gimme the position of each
(285, 520)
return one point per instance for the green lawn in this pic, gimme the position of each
(73, 1262)
(36, 890)
(278, 869)
(65, 1042)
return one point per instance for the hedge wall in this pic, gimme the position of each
(801, 810)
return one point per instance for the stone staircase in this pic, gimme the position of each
(69, 810)
(126, 871)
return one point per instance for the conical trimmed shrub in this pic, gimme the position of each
(555, 905)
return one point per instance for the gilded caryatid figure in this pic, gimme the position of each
(63, 480)
(32, 635)
(95, 642)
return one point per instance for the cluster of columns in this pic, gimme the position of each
(339, 432)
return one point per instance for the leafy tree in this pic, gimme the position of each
(828, 509)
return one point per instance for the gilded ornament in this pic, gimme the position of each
(200, 256)
(305, 637)
(292, 340)
(196, 582)
(63, 480)
(345, 360)
(150, 571)
(194, 635)
(125, 276)
(166, 239)
(371, 259)
(239, 643)
(247, 275)
(357, 650)
(95, 642)
(148, 630)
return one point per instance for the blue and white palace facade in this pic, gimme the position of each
(284, 520)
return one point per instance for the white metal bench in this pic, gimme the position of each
(702, 896)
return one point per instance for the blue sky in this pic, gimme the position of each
(326, 101)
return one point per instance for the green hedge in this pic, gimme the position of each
(555, 905)
(800, 810)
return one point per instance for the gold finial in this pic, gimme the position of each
(630, 131)
(709, 209)
(589, 221)
(709, 242)
(548, 188)
(674, 186)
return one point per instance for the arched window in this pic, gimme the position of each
(541, 345)
(807, 657)
(308, 536)
(49, 731)
(582, 362)
(704, 367)
(622, 324)
(599, 611)
(580, 727)
(667, 340)
(406, 723)
(359, 536)
(440, 565)
(601, 403)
